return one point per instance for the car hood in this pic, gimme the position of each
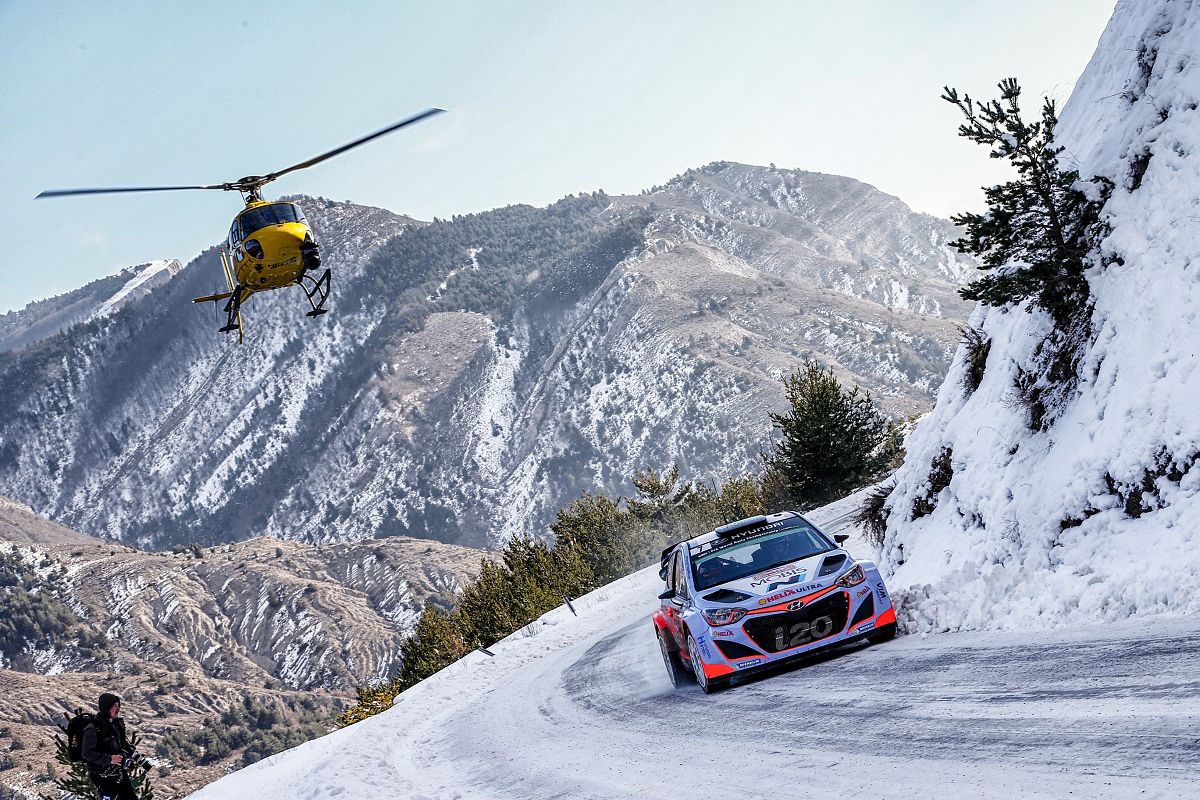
(774, 585)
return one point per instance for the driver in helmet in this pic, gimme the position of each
(777, 550)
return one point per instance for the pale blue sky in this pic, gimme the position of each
(545, 99)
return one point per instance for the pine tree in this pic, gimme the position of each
(1039, 229)
(435, 643)
(371, 700)
(487, 606)
(832, 441)
(674, 511)
(611, 541)
(597, 541)
(739, 498)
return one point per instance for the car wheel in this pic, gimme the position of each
(885, 634)
(709, 685)
(675, 669)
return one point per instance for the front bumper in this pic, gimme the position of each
(790, 630)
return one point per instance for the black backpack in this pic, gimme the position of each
(74, 730)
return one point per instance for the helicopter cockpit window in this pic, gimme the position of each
(234, 238)
(273, 214)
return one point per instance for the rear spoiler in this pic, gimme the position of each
(664, 558)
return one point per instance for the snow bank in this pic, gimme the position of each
(1096, 518)
(364, 759)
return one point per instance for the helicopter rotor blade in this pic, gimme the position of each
(124, 189)
(429, 112)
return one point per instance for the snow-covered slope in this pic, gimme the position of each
(1097, 517)
(141, 282)
(308, 617)
(580, 707)
(45, 318)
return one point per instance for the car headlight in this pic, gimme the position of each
(723, 616)
(851, 578)
(254, 248)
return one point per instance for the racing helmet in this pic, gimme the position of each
(778, 548)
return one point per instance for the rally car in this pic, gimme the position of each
(760, 591)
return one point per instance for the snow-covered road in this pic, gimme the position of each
(580, 707)
(1103, 713)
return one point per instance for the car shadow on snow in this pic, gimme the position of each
(846, 649)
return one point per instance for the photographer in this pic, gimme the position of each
(105, 748)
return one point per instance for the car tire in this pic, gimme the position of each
(676, 672)
(885, 634)
(707, 684)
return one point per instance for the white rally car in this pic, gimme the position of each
(760, 591)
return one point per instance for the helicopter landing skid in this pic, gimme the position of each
(233, 310)
(317, 288)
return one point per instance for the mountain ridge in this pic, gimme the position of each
(480, 372)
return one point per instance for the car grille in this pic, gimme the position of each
(823, 618)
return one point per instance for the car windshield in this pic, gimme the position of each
(273, 214)
(746, 556)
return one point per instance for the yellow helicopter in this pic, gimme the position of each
(270, 244)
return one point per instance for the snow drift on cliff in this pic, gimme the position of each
(1096, 517)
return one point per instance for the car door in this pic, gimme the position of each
(675, 605)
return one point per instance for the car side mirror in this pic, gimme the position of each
(841, 538)
(667, 595)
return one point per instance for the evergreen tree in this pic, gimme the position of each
(832, 441)
(597, 541)
(610, 540)
(659, 491)
(557, 572)
(487, 606)
(531, 579)
(436, 643)
(371, 700)
(739, 498)
(675, 511)
(1039, 229)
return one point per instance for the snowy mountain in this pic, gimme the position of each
(99, 298)
(306, 616)
(478, 373)
(1090, 512)
(187, 635)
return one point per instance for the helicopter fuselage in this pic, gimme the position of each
(270, 246)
